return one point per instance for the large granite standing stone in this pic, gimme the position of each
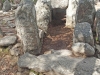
(43, 15)
(26, 26)
(62, 4)
(83, 33)
(6, 6)
(98, 24)
(60, 64)
(82, 49)
(71, 13)
(85, 12)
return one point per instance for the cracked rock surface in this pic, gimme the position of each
(59, 63)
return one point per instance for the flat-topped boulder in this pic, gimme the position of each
(59, 63)
(62, 4)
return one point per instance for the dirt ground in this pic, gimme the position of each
(58, 36)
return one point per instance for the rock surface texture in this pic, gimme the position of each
(98, 24)
(43, 15)
(82, 49)
(26, 26)
(71, 13)
(83, 33)
(62, 4)
(58, 63)
(8, 40)
(85, 12)
(6, 6)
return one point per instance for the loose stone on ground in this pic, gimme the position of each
(58, 64)
(6, 6)
(83, 49)
(8, 40)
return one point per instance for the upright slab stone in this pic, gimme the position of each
(71, 13)
(6, 6)
(86, 12)
(26, 26)
(98, 24)
(62, 4)
(83, 33)
(43, 15)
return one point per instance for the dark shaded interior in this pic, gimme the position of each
(58, 36)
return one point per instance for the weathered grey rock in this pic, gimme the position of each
(6, 6)
(59, 52)
(71, 13)
(48, 2)
(62, 4)
(43, 16)
(56, 64)
(83, 33)
(82, 49)
(86, 12)
(1, 33)
(98, 24)
(0, 4)
(26, 26)
(16, 49)
(98, 51)
(11, 24)
(8, 40)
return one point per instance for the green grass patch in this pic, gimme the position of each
(4, 51)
